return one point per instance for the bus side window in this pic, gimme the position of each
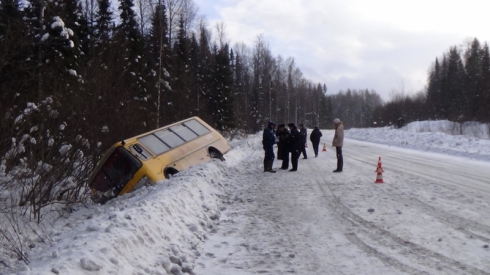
(154, 144)
(196, 127)
(184, 132)
(169, 138)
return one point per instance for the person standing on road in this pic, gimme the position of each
(279, 133)
(315, 139)
(282, 135)
(295, 144)
(338, 142)
(268, 141)
(304, 135)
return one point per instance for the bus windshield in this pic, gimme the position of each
(117, 170)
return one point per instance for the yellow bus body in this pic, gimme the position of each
(145, 164)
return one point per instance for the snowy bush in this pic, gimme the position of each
(42, 174)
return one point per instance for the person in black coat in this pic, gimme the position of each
(268, 141)
(282, 135)
(304, 136)
(295, 145)
(315, 139)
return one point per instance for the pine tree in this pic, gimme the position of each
(256, 98)
(434, 98)
(222, 97)
(239, 89)
(180, 76)
(443, 101)
(103, 27)
(454, 89)
(194, 93)
(484, 114)
(10, 23)
(130, 67)
(204, 78)
(473, 84)
(13, 73)
(12, 44)
(128, 28)
(159, 59)
(72, 14)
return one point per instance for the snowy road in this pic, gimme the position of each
(430, 217)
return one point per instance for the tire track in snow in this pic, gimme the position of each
(426, 257)
(457, 222)
(280, 224)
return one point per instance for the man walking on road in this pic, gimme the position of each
(304, 134)
(338, 142)
(315, 139)
(268, 141)
(295, 146)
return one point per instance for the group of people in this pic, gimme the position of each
(293, 141)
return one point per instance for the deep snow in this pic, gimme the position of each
(230, 218)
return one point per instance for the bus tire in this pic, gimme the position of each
(215, 154)
(170, 172)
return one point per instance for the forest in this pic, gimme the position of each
(458, 89)
(78, 76)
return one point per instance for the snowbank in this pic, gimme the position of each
(155, 230)
(471, 128)
(470, 139)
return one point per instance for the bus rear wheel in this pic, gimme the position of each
(170, 172)
(216, 154)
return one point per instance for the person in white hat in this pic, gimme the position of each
(338, 142)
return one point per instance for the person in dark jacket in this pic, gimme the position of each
(304, 136)
(315, 139)
(295, 146)
(268, 141)
(282, 135)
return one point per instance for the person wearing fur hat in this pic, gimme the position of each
(338, 142)
(268, 141)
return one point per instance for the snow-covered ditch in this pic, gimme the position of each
(155, 230)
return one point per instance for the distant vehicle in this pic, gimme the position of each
(154, 156)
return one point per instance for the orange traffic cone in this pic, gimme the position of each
(379, 170)
(324, 148)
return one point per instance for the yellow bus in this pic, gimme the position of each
(154, 156)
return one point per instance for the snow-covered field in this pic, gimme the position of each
(430, 217)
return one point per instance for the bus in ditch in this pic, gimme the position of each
(154, 156)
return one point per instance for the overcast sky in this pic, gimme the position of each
(383, 45)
